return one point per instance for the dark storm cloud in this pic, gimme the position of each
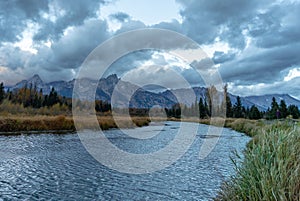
(120, 16)
(65, 55)
(53, 18)
(15, 14)
(272, 27)
(278, 26)
(206, 20)
(221, 57)
(71, 50)
(193, 77)
(128, 62)
(74, 14)
(13, 57)
(262, 66)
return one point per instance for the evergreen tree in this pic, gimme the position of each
(244, 112)
(206, 108)
(2, 92)
(45, 101)
(211, 94)
(294, 111)
(238, 108)
(274, 112)
(174, 111)
(202, 109)
(9, 95)
(52, 98)
(228, 104)
(283, 109)
(254, 113)
(196, 109)
(268, 113)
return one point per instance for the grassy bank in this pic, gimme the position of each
(270, 169)
(249, 127)
(270, 166)
(15, 123)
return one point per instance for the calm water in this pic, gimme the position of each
(57, 167)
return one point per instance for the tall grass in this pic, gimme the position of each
(18, 123)
(270, 169)
(35, 123)
(7, 108)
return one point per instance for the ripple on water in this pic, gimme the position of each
(57, 167)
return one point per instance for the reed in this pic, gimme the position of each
(18, 123)
(35, 123)
(270, 168)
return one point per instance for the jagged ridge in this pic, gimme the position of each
(141, 98)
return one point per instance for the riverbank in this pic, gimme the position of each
(270, 169)
(15, 124)
(249, 127)
(270, 166)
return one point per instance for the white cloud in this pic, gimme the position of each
(54, 13)
(26, 42)
(293, 73)
(291, 87)
(218, 45)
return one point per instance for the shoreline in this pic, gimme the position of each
(273, 149)
(18, 124)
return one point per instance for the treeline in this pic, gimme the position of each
(214, 103)
(31, 97)
(218, 104)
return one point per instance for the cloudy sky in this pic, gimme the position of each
(254, 44)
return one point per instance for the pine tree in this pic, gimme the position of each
(283, 109)
(228, 104)
(274, 112)
(211, 94)
(206, 108)
(45, 101)
(238, 108)
(254, 113)
(2, 92)
(294, 111)
(202, 109)
(52, 98)
(196, 109)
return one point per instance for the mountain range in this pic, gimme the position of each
(126, 92)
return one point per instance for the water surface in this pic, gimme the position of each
(57, 167)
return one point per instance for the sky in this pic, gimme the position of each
(255, 45)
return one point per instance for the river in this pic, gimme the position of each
(57, 167)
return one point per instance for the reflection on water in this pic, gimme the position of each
(57, 167)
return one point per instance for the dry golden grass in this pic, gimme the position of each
(17, 123)
(35, 123)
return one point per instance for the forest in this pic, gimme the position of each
(53, 104)
(204, 108)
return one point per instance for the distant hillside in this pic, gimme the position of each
(141, 98)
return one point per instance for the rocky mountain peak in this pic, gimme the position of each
(35, 79)
(112, 78)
